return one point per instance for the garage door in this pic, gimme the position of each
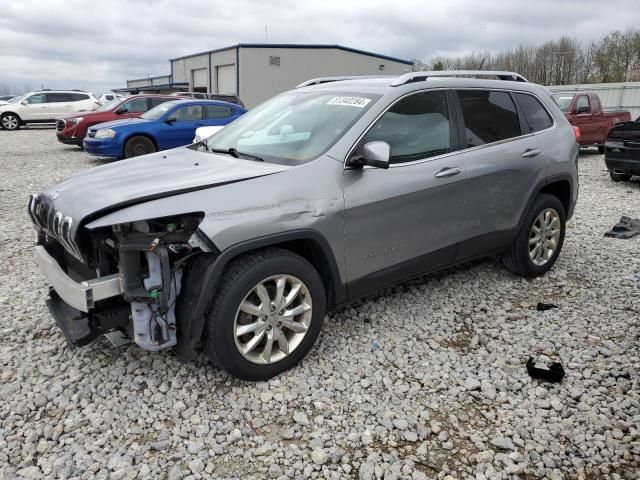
(226, 79)
(200, 78)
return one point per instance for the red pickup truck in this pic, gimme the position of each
(72, 130)
(584, 110)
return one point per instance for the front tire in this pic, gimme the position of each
(540, 239)
(137, 146)
(10, 121)
(619, 177)
(266, 314)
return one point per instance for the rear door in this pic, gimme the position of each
(36, 108)
(505, 163)
(405, 220)
(60, 104)
(181, 131)
(215, 115)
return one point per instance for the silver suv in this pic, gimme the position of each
(325, 193)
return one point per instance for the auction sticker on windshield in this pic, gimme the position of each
(358, 102)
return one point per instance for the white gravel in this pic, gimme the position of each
(425, 380)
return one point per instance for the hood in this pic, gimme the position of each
(104, 189)
(119, 123)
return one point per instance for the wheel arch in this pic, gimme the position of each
(560, 188)
(204, 276)
(15, 114)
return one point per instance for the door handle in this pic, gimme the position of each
(530, 152)
(448, 172)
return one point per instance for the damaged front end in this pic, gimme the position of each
(124, 278)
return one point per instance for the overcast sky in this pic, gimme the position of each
(98, 45)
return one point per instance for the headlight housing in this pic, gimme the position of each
(105, 133)
(74, 121)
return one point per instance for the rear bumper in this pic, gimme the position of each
(80, 296)
(631, 167)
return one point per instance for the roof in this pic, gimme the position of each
(301, 46)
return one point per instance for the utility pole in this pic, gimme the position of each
(561, 73)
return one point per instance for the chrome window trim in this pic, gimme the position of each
(462, 150)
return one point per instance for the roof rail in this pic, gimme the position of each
(319, 80)
(422, 76)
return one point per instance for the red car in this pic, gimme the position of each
(72, 130)
(584, 110)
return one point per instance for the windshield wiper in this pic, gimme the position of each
(236, 154)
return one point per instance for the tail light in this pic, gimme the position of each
(576, 131)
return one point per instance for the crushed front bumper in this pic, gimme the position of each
(83, 295)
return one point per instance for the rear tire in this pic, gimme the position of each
(10, 121)
(619, 177)
(539, 241)
(281, 324)
(137, 146)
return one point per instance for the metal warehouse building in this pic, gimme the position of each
(256, 71)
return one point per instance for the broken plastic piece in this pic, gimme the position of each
(541, 307)
(627, 227)
(555, 373)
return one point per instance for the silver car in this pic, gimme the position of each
(239, 244)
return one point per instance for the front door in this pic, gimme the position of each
(584, 119)
(403, 221)
(36, 108)
(181, 131)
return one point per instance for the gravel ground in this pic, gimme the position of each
(425, 380)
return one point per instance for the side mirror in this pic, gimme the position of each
(121, 110)
(171, 120)
(375, 154)
(24, 102)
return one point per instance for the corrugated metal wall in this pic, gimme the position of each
(621, 96)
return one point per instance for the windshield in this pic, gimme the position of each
(563, 100)
(295, 126)
(157, 112)
(109, 105)
(18, 99)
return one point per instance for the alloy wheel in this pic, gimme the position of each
(9, 122)
(544, 236)
(273, 319)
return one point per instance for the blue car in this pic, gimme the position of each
(169, 125)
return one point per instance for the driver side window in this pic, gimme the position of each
(38, 98)
(415, 128)
(191, 113)
(137, 105)
(583, 103)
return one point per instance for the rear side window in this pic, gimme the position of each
(77, 97)
(137, 105)
(537, 116)
(59, 97)
(416, 127)
(488, 116)
(217, 111)
(155, 101)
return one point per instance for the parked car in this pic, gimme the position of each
(107, 97)
(311, 200)
(202, 133)
(45, 107)
(223, 97)
(622, 151)
(169, 125)
(4, 99)
(72, 130)
(584, 110)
